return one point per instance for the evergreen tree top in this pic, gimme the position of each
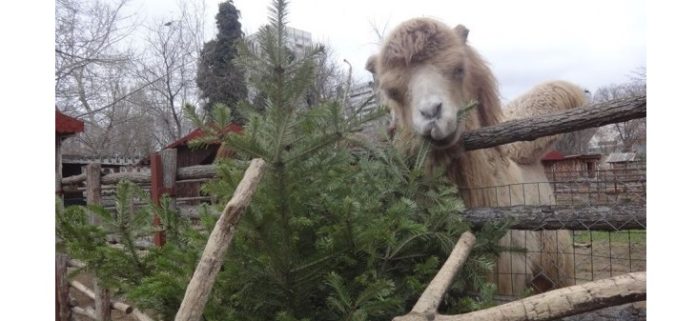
(227, 21)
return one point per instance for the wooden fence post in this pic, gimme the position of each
(102, 302)
(163, 181)
(156, 191)
(169, 171)
(62, 288)
(93, 183)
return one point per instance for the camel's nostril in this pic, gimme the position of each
(432, 112)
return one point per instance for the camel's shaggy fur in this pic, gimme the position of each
(426, 72)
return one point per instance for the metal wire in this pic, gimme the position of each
(594, 253)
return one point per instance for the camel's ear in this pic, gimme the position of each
(462, 32)
(371, 64)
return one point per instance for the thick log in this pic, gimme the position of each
(566, 217)
(193, 198)
(201, 283)
(113, 178)
(62, 288)
(564, 302)
(141, 316)
(554, 304)
(76, 263)
(75, 179)
(432, 296)
(197, 171)
(614, 111)
(135, 177)
(125, 308)
(185, 173)
(88, 312)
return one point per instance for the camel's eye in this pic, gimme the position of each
(458, 72)
(394, 94)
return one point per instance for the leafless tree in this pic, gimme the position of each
(130, 103)
(93, 69)
(169, 66)
(329, 78)
(576, 142)
(631, 134)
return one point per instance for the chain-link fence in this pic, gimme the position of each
(582, 228)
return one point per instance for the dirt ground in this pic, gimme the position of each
(603, 260)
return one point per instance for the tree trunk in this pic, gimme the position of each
(209, 265)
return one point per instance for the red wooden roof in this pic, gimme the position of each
(553, 155)
(68, 125)
(231, 127)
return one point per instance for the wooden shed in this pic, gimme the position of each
(187, 156)
(561, 167)
(623, 161)
(66, 126)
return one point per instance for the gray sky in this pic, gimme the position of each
(592, 43)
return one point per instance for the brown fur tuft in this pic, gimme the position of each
(415, 41)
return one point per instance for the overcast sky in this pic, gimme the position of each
(592, 43)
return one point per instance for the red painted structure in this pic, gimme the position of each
(197, 133)
(66, 125)
(185, 157)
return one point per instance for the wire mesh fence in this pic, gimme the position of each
(580, 229)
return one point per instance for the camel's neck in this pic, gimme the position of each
(476, 173)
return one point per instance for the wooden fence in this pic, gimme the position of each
(590, 296)
(99, 188)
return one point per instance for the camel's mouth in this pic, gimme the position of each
(444, 142)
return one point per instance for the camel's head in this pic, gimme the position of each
(420, 72)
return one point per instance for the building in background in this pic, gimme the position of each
(559, 167)
(298, 40)
(362, 101)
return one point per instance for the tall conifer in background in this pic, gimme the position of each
(219, 80)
